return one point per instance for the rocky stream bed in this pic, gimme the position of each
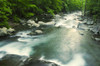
(66, 40)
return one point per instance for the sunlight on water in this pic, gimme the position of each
(68, 21)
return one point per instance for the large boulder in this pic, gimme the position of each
(33, 62)
(12, 60)
(16, 60)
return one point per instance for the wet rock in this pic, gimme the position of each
(12, 60)
(97, 39)
(46, 24)
(80, 19)
(81, 34)
(23, 22)
(31, 23)
(4, 31)
(16, 60)
(96, 28)
(32, 33)
(82, 26)
(40, 24)
(33, 62)
(89, 22)
(36, 32)
(39, 31)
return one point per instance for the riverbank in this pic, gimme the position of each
(87, 23)
(41, 27)
(25, 24)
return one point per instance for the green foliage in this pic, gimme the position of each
(18, 9)
(5, 11)
(74, 5)
(93, 6)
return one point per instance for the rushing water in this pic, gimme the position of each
(66, 46)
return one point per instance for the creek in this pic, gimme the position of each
(65, 46)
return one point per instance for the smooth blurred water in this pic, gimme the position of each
(64, 46)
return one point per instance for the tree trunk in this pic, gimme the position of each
(85, 8)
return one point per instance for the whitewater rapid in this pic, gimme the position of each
(61, 46)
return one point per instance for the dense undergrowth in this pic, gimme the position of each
(18, 9)
(93, 9)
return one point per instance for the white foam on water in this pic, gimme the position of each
(77, 60)
(24, 40)
(23, 47)
(23, 34)
(69, 20)
(16, 48)
(2, 55)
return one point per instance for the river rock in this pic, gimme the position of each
(46, 24)
(97, 39)
(82, 26)
(16, 60)
(31, 23)
(80, 19)
(39, 31)
(89, 22)
(36, 32)
(96, 28)
(23, 22)
(12, 60)
(4, 31)
(33, 62)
